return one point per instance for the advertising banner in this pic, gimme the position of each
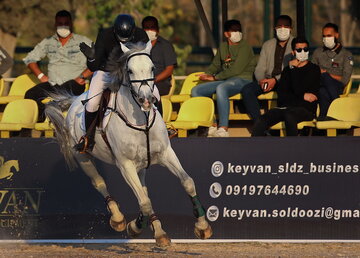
(251, 188)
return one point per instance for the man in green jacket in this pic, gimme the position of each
(231, 69)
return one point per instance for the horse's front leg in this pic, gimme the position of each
(117, 219)
(202, 227)
(147, 216)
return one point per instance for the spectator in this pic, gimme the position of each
(274, 56)
(67, 65)
(297, 93)
(336, 64)
(5, 61)
(162, 54)
(123, 31)
(231, 69)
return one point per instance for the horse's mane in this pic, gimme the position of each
(116, 65)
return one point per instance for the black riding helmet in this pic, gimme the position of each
(124, 27)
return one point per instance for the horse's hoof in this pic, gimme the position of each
(131, 232)
(203, 233)
(163, 241)
(118, 226)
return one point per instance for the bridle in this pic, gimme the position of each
(135, 95)
(144, 82)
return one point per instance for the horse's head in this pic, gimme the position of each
(140, 74)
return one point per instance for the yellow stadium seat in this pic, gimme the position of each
(185, 93)
(281, 125)
(167, 109)
(346, 111)
(45, 127)
(2, 83)
(18, 114)
(172, 88)
(194, 112)
(271, 97)
(347, 89)
(19, 87)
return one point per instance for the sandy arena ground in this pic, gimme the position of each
(182, 250)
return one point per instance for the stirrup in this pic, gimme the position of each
(172, 132)
(83, 145)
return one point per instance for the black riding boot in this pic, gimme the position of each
(87, 142)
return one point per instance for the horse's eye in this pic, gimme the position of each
(130, 72)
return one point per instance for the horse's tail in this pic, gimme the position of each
(54, 111)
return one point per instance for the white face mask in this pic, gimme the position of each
(329, 42)
(302, 56)
(235, 36)
(151, 34)
(63, 31)
(283, 33)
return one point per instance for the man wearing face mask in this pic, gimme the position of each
(297, 93)
(336, 65)
(274, 57)
(67, 65)
(162, 54)
(231, 69)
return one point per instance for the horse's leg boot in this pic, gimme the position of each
(86, 142)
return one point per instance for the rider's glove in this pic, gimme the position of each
(89, 52)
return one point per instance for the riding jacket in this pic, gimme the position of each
(105, 43)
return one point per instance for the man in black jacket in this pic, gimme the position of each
(124, 31)
(297, 93)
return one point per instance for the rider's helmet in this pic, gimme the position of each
(124, 27)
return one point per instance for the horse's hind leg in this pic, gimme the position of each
(117, 219)
(202, 227)
(134, 228)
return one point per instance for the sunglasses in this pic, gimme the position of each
(306, 49)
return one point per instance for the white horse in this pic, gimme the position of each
(137, 137)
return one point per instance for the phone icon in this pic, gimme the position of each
(215, 190)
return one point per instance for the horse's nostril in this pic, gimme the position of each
(141, 100)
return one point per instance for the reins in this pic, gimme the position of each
(146, 113)
(134, 95)
(145, 130)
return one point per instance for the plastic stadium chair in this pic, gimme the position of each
(190, 82)
(18, 114)
(194, 112)
(167, 109)
(346, 111)
(18, 88)
(271, 98)
(347, 89)
(2, 83)
(172, 88)
(281, 125)
(45, 127)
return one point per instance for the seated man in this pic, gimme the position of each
(162, 54)
(297, 93)
(336, 65)
(231, 69)
(67, 65)
(274, 56)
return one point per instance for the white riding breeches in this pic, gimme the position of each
(98, 85)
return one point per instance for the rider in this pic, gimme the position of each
(124, 31)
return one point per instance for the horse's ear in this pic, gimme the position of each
(124, 48)
(148, 47)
